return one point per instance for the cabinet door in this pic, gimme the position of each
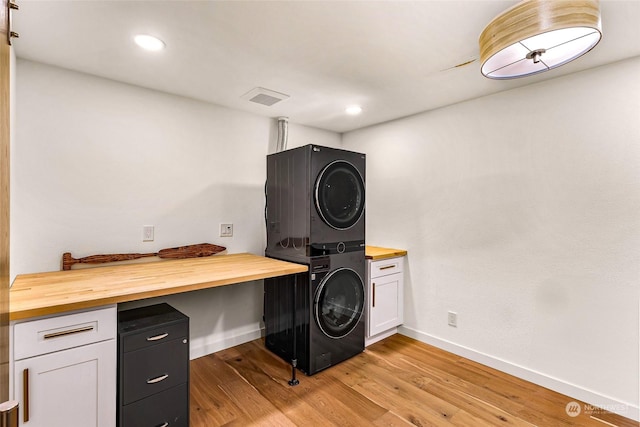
(385, 306)
(70, 388)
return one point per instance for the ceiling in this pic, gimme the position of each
(394, 58)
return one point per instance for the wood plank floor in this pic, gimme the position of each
(395, 382)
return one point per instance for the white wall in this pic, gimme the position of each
(95, 160)
(520, 212)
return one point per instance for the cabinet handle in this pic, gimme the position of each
(68, 332)
(11, 6)
(158, 337)
(25, 395)
(373, 288)
(164, 425)
(386, 267)
(158, 379)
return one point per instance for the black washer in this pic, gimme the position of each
(339, 195)
(339, 302)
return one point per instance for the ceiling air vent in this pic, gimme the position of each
(264, 96)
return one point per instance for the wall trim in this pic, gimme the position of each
(224, 343)
(590, 397)
(382, 335)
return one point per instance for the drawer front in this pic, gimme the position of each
(162, 334)
(154, 369)
(384, 267)
(51, 334)
(169, 408)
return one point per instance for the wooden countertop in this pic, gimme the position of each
(55, 292)
(377, 252)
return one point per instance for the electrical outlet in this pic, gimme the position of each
(452, 319)
(226, 230)
(147, 233)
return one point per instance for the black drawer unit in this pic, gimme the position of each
(153, 367)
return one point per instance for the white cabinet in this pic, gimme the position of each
(65, 370)
(385, 297)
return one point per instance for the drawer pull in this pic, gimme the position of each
(158, 379)
(386, 267)
(67, 332)
(164, 425)
(25, 396)
(373, 288)
(158, 337)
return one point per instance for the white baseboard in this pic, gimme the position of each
(382, 335)
(224, 343)
(625, 409)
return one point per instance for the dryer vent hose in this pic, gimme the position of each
(283, 134)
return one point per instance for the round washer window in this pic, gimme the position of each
(339, 195)
(339, 302)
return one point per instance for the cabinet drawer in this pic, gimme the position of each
(385, 267)
(169, 408)
(155, 336)
(37, 337)
(154, 369)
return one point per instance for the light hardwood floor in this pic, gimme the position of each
(395, 382)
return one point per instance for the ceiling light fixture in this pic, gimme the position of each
(148, 42)
(537, 35)
(353, 110)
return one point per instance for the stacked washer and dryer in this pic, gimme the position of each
(315, 216)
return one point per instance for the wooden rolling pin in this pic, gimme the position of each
(181, 252)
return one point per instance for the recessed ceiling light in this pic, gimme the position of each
(353, 110)
(148, 42)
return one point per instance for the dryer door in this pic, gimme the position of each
(339, 302)
(339, 195)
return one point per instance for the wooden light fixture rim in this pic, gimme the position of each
(533, 17)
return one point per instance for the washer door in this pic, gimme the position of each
(338, 302)
(339, 195)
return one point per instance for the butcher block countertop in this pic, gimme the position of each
(376, 252)
(55, 292)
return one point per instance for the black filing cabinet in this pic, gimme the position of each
(153, 367)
